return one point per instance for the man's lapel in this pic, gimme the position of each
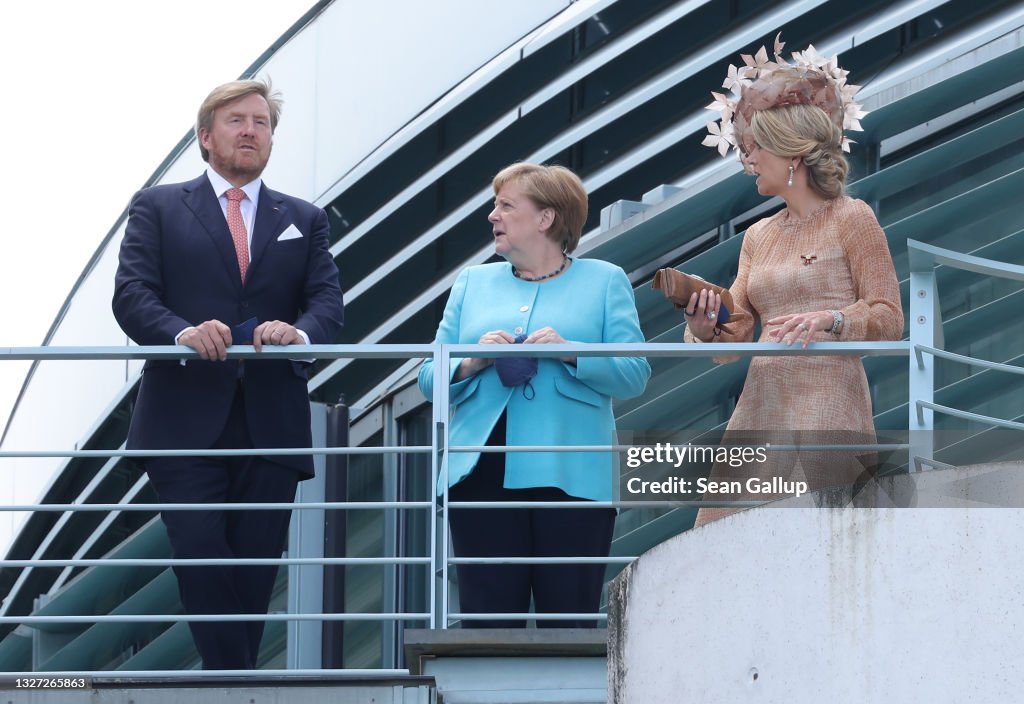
(266, 226)
(202, 201)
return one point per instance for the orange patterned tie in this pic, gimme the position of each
(237, 228)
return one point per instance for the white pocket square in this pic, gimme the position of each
(291, 233)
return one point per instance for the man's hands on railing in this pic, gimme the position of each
(210, 339)
(276, 332)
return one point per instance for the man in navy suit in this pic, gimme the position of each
(217, 261)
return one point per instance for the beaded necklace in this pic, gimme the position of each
(556, 272)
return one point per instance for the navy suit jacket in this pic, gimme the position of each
(177, 267)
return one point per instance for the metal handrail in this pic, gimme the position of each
(304, 506)
(920, 350)
(439, 450)
(530, 615)
(275, 451)
(122, 675)
(199, 618)
(967, 415)
(770, 447)
(564, 560)
(604, 504)
(213, 561)
(181, 352)
(925, 257)
(411, 351)
(923, 260)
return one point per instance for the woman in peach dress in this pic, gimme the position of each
(817, 271)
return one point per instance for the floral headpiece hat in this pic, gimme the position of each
(760, 84)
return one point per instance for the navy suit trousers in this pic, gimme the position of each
(225, 645)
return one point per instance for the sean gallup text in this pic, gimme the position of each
(681, 485)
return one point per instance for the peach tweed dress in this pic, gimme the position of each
(835, 259)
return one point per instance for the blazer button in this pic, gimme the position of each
(523, 309)
(245, 304)
(519, 331)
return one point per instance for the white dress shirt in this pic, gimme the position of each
(248, 206)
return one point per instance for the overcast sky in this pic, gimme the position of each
(95, 96)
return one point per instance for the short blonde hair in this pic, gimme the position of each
(805, 131)
(230, 92)
(555, 187)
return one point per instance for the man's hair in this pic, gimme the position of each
(230, 92)
(554, 187)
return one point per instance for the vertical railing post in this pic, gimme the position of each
(438, 463)
(442, 389)
(435, 461)
(335, 527)
(306, 539)
(925, 329)
(390, 630)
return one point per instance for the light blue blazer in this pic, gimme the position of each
(591, 302)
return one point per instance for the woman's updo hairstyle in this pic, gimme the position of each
(805, 131)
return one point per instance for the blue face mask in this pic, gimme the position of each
(517, 371)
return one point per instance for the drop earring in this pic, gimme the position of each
(789, 181)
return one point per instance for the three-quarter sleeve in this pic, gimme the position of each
(877, 314)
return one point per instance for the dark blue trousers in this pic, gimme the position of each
(525, 532)
(225, 534)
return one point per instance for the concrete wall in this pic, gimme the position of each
(800, 601)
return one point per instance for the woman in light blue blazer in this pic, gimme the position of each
(539, 295)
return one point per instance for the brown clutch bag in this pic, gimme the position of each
(678, 287)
